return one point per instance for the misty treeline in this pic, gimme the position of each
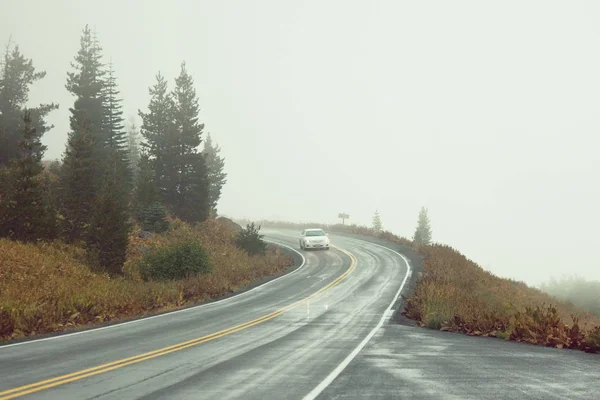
(577, 290)
(422, 235)
(112, 174)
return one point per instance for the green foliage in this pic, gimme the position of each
(86, 83)
(133, 145)
(251, 241)
(78, 187)
(146, 191)
(377, 225)
(179, 261)
(108, 234)
(113, 124)
(17, 74)
(215, 165)
(153, 218)
(422, 234)
(172, 135)
(26, 213)
(159, 143)
(434, 321)
(191, 200)
(86, 157)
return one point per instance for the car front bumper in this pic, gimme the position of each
(316, 245)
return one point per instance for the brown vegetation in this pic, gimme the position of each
(455, 294)
(49, 287)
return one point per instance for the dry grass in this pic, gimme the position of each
(455, 294)
(48, 287)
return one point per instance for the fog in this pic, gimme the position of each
(487, 114)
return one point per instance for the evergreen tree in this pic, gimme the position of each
(153, 218)
(377, 225)
(215, 165)
(146, 192)
(423, 232)
(190, 200)
(160, 139)
(108, 234)
(79, 174)
(26, 212)
(87, 152)
(133, 145)
(149, 210)
(86, 83)
(250, 240)
(17, 75)
(113, 124)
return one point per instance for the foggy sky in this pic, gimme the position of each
(484, 112)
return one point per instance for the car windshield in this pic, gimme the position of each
(315, 233)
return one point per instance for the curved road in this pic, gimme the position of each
(288, 338)
(318, 332)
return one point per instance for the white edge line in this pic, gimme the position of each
(338, 370)
(217, 302)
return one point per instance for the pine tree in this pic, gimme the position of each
(26, 213)
(113, 124)
(423, 232)
(250, 240)
(108, 234)
(133, 145)
(79, 174)
(146, 192)
(149, 210)
(160, 139)
(17, 75)
(190, 201)
(377, 225)
(87, 152)
(215, 165)
(86, 83)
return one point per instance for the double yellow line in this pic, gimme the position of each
(100, 369)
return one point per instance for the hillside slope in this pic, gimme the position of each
(455, 294)
(51, 287)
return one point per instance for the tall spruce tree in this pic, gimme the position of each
(117, 139)
(86, 151)
(17, 75)
(113, 125)
(190, 200)
(215, 165)
(377, 224)
(78, 183)
(160, 139)
(149, 210)
(108, 234)
(423, 231)
(86, 83)
(146, 192)
(27, 214)
(133, 146)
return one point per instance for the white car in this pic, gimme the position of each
(314, 239)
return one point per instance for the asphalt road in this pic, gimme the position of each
(322, 332)
(286, 348)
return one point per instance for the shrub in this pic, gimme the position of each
(592, 341)
(48, 287)
(179, 261)
(251, 241)
(153, 218)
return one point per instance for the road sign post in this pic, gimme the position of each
(344, 217)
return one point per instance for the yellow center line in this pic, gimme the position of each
(74, 376)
